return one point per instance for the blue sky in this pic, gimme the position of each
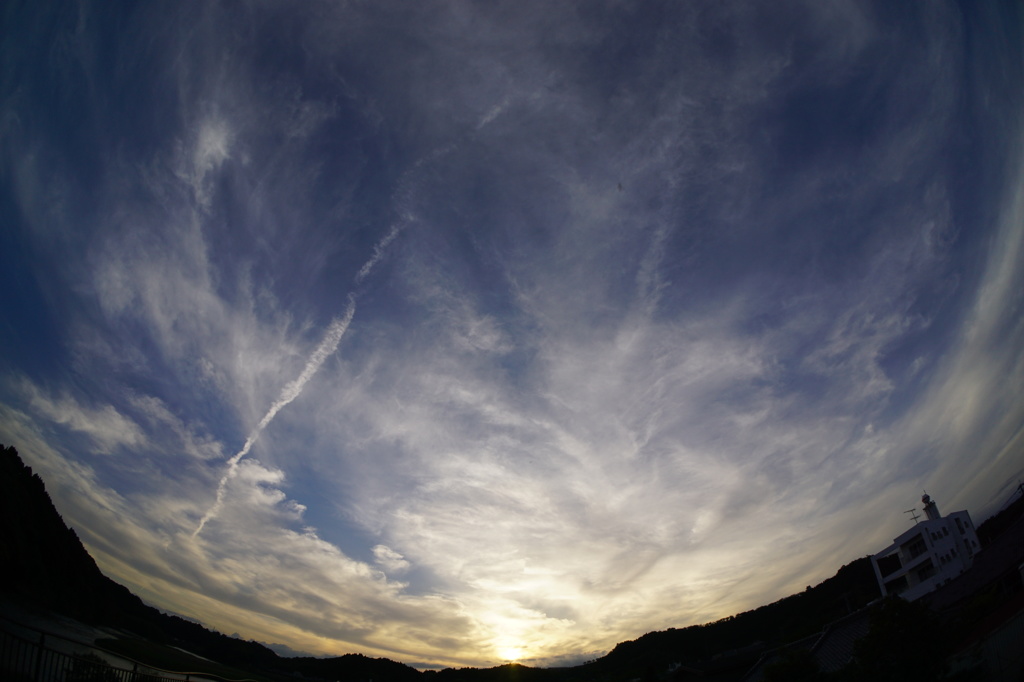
(466, 332)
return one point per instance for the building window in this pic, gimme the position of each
(916, 547)
(896, 586)
(926, 571)
(888, 565)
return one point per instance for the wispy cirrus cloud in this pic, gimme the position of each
(107, 427)
(660, 296)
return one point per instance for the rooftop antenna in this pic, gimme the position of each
(913, 514)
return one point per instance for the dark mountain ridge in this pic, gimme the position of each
(43, 564)
(44, 558)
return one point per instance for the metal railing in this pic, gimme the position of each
(39, 656)
(22, 660)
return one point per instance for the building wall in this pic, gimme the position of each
(931, 553)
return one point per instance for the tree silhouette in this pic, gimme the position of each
(905, 643)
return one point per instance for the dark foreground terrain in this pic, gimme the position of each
(837, 630)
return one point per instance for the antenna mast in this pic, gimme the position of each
(913, 514)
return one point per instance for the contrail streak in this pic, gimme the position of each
(378, 253)
(292, 389)
(289, 393)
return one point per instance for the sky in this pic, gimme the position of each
(460, 333)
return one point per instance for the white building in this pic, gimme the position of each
(933, 552)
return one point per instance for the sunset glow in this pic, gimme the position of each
(472, 333)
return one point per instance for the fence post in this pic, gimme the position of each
(39, 655)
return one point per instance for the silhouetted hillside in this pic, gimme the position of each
(45, 560)
(734, 643)
(352, 667)
(43, 563)
(42, 557)
(510, 672)
(995, 525)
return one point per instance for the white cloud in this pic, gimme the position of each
(210, 152)
(569, 412)
(249, 567)
(108, 428)
(198, 445)
(390, 560)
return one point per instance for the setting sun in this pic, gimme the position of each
(576, 322)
